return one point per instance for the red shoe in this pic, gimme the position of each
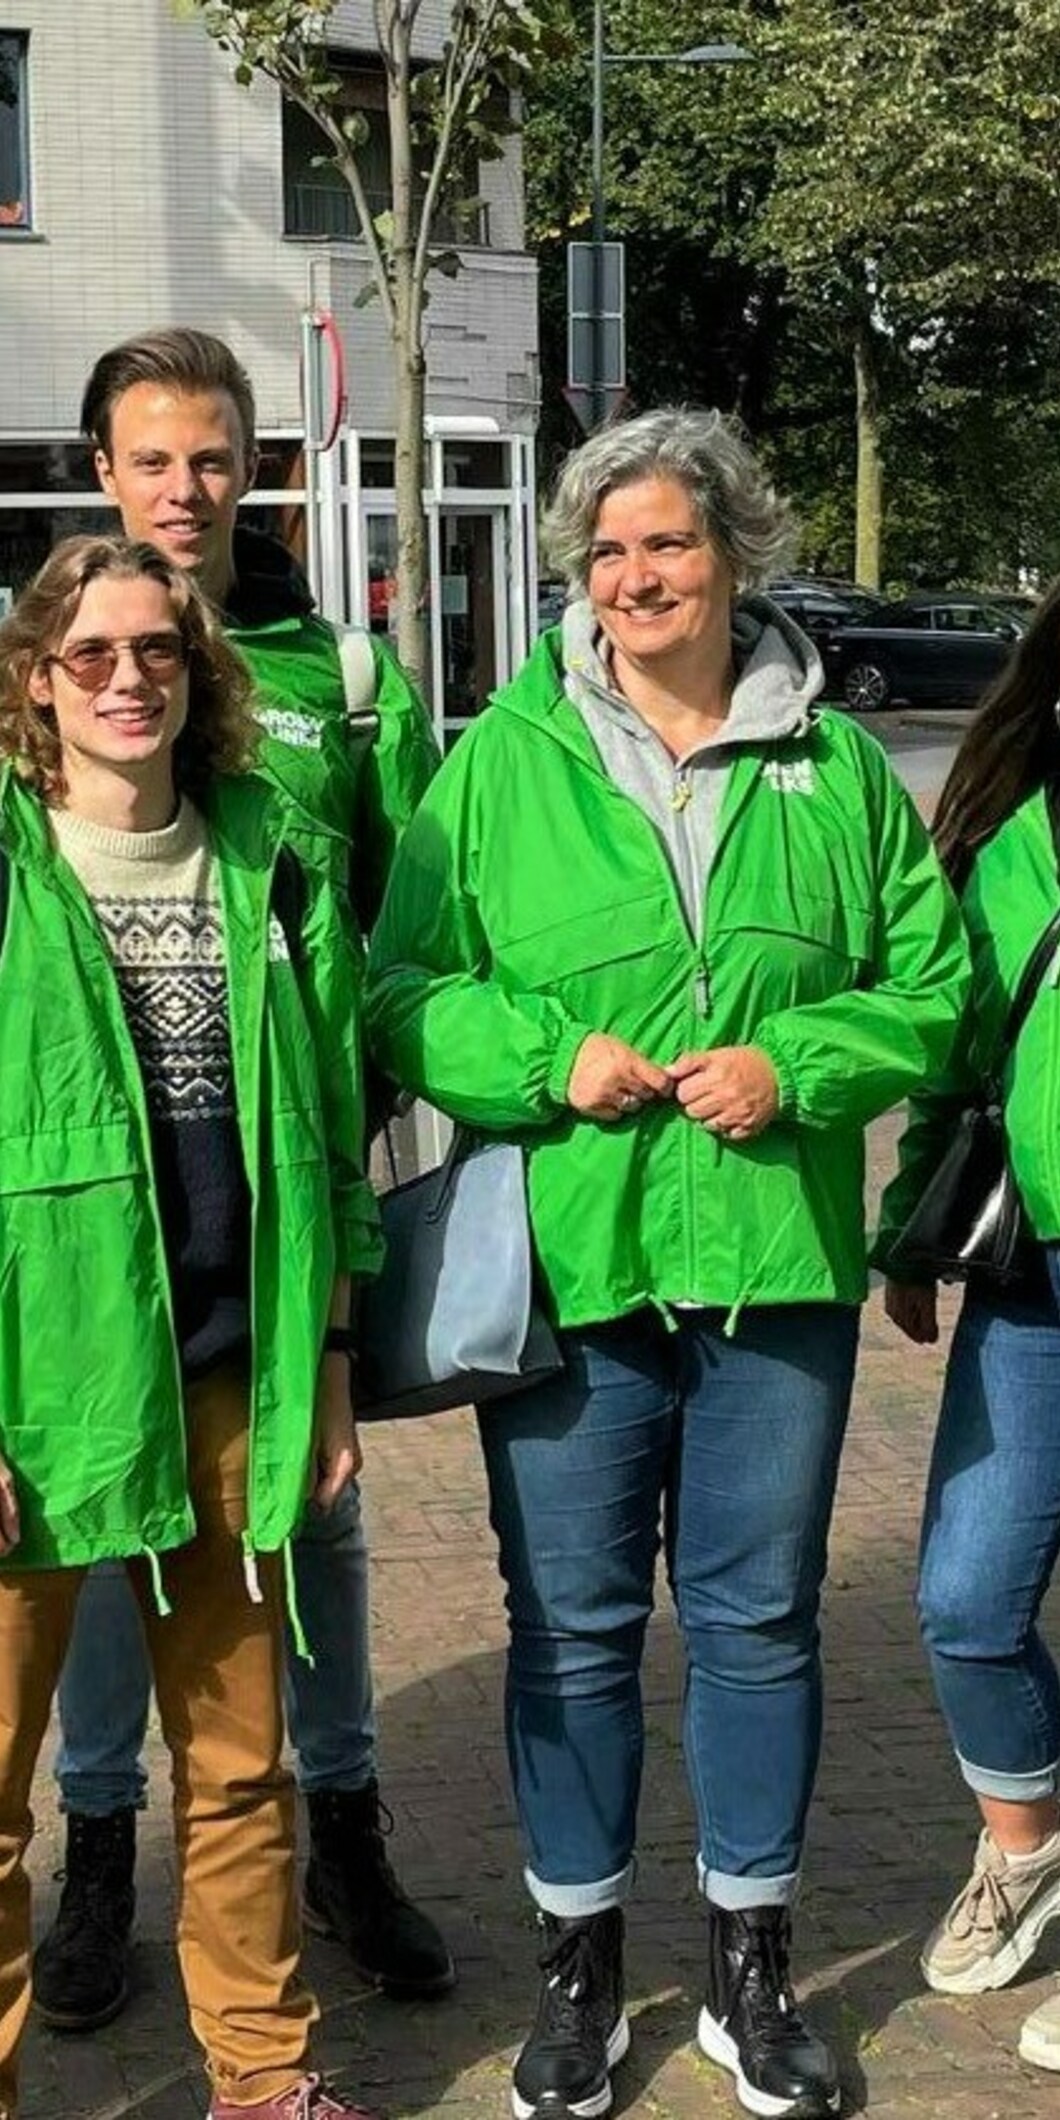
(307, 2100)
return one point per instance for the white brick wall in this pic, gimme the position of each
(158, 199)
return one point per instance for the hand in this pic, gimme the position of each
(336, 1456)
(610, 1080)
(10, 1528)
(914, 1309)
(733, 1090)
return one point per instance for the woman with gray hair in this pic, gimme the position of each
(681, 934)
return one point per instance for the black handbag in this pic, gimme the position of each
(969, 1220)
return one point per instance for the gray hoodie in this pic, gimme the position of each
(779, 675)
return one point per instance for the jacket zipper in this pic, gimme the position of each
(78, 900)
(693, 1145)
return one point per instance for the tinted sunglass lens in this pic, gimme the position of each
(91, 667)
(160, 657)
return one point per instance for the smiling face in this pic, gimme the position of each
(178, 466)
(658, 584)
(123, 726)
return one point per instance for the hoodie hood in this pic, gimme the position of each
(778, 677)
(269, 583)
(778, 671)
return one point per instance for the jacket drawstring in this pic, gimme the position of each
(294, 1616)
(162, 1604)
(250, 1571)
(728, 1330)
(665, 1311)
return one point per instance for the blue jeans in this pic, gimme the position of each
(734, 1446)
(105, 1685)
(990, 1541)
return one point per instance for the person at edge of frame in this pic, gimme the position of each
(172, 416)
(991, 1526)
(678, 931)
(185, 1213)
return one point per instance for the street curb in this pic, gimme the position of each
(937, 717)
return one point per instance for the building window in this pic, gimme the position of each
(14, 132)
(316, 201)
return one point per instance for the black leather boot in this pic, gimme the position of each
(581, 2032)
(81, 1967)
(750, 2021)
(351, 1892)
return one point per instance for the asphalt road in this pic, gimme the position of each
(921, 747)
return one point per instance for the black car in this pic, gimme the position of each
(925, 650)
(551, 603)
(820, 604)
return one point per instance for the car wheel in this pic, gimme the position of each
(866, 688)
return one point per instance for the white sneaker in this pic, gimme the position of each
(1039, 2039)
(995, 1923)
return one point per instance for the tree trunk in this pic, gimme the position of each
(869, 521)
(412, 574)
(410, 367)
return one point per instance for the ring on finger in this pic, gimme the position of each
(629, 1100)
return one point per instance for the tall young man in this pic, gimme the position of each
(172, 418)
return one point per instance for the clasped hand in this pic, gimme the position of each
(733, 1090)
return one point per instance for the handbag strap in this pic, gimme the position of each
(1031, 977)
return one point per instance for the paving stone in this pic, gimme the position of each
(890, 1837)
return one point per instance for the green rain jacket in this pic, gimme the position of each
(361, 778)
(531, 902)
(91, 1403)
(1008, 901)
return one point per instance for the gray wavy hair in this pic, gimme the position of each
(733, 497)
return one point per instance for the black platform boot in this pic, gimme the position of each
(750, 2021)
(581, 2032)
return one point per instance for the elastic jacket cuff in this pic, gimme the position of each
(786, 1091)
(557, 1081)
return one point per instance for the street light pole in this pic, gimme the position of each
(697, 55)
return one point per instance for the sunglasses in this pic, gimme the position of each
(90, 664)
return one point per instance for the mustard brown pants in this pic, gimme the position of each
(217, 1659)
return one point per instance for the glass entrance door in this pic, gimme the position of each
(473, 608)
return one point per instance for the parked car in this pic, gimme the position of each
(551, 604)
(820, 604)
(1022, 603)
(925, 650)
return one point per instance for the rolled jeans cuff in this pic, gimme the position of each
(1011, 1788)
(572, 1902)
(736, 1894)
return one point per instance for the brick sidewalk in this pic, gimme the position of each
(891, 1831)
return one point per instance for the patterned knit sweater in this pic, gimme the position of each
(156, 898)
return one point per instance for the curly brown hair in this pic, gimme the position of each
(220, 734)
